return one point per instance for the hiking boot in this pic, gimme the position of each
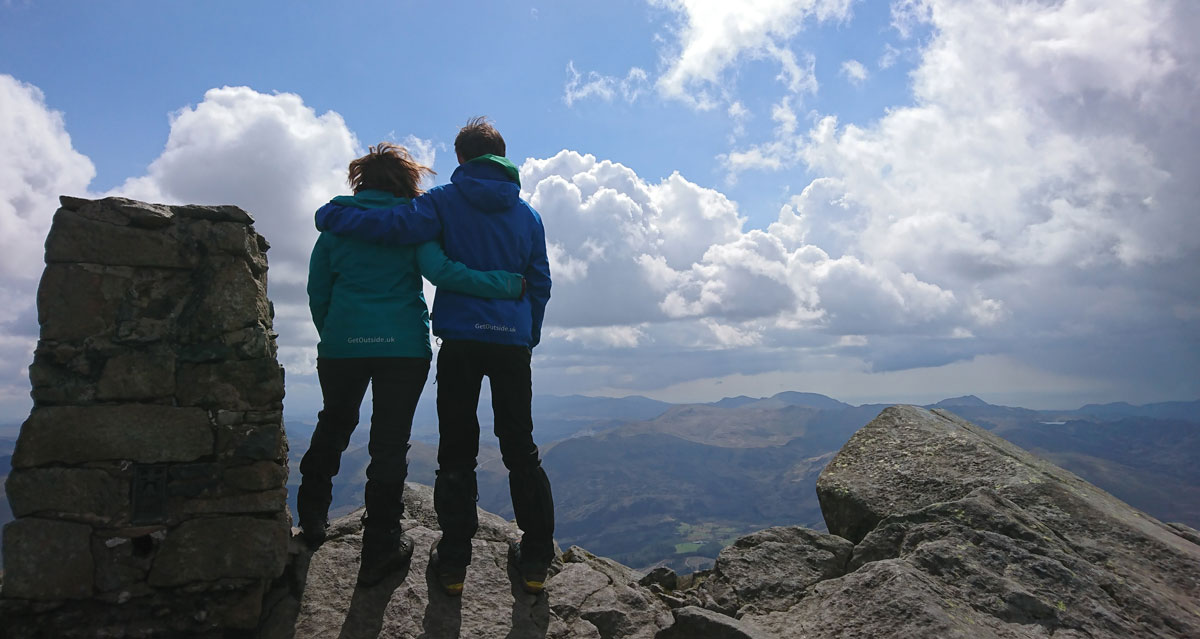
(312, 527)
(450, 578)
(533, 572)
(383, 554)
(312, 514)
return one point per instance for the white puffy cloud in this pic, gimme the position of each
(713, 36)
(1040, 140)
(668, 265)
(709, 39)
(1028, 217)
(1041, 178)
(37, 164)
(1035, 199)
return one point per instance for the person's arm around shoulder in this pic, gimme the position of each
(454, 276)
(409, 223)
(320, 282)
(537, 279)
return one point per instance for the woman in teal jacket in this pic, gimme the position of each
(369, 309)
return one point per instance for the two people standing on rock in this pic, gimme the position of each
(485, 330)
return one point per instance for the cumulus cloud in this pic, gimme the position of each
(1040, 181)
(1031, 143)
(708, 40)
(1034, 199)
(1028, 215)
(714, 36)
(668, 264)
(37, 164)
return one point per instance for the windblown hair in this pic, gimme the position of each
(388, 167)
(478, 138)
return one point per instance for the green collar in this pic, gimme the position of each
(504, 163)
(371, 199)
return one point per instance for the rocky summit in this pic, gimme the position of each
(588, 596)
(942, 530)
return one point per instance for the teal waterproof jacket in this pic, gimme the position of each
(366, 299)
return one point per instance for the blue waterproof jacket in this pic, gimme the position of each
(485, 225)
(366, 299)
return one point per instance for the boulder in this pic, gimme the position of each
(962, 534)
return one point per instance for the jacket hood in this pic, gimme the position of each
(374, 203)
(371, 199)
(489, 182)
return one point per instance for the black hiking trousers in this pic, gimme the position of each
(461, 367)
(396, 384)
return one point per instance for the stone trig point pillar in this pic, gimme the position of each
(149, 482)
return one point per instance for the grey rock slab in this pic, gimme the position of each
(47, 559)
(999, 560)
(121, 211)
(881, 600)
(232, 385)
(692, 622)
(222, 213)
(76, 301)
(257, 476)
(601, 593)
(661, 575)
(770, 568)
(138, 375)
(1017, 541)
(253, 441)
(1186, 531)
(90, 494)
(72, 238)
(267, 501)
(200, 550)
(137, 432)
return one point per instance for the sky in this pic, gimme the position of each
(878, 201)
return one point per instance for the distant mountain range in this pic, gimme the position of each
(648, 482)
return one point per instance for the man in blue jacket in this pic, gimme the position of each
(484, 224)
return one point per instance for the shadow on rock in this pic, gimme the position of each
(530, 612)
(443, 613)
(281, 606)
(365, 617)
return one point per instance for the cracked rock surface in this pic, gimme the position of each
(943, 530)
(586, 596)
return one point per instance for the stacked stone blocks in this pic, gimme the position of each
(149, 482)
